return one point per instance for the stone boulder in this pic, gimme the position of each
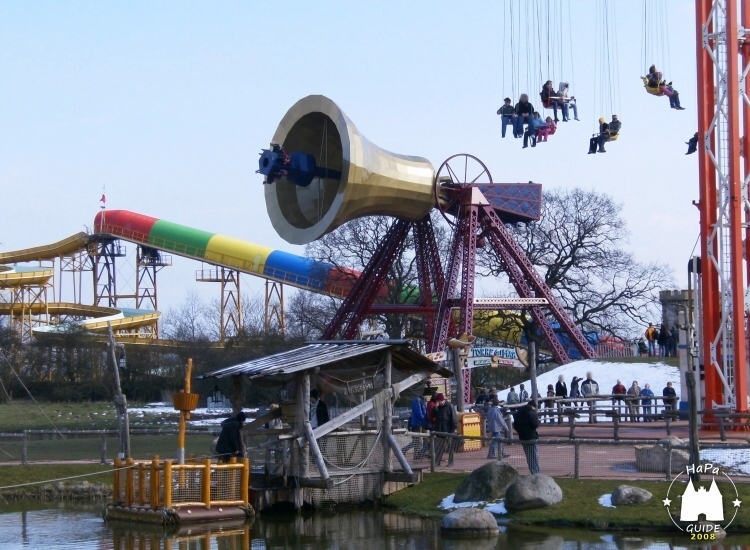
(654, 458)
(486, 483)
(534, 491)
(627, 494)
(471, 520)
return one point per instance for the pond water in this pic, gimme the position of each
(63, 525)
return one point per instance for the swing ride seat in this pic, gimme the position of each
(651, 90)
(614, 137)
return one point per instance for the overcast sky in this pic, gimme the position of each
(169, 103)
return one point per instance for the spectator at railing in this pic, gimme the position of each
(647, 394)
(590, 388)
(668, 392)
(618, 390)
(512, 398)
(526, 422)
(523, 395)
(575, 391)
(561, 390)
(633, 392)
(497, 428)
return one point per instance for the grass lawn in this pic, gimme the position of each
(13, 475)
(579, 507)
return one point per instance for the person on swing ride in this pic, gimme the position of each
(614, 127)
(655, 81)
(599, 139)
(508, 113)
(547, 130)
(535, 125)
(567, 102)
(550, 98)
(524, 111)
(692, 144)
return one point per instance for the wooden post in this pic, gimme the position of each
(129, 482)
(577, 465)
(25, 448)
(668, 420)
(315, 450)
(141, 484)
(245, 481)
(303, 415)
(722, 427)
(616, 422)
(399, 455)
(167, 484)
(116, 479)
(104, 447)
(285, 459)
(572, 420)
(206, 488)
(121, 403)
(388, 414)
(154, 483)
(237, 394)
(668, 473)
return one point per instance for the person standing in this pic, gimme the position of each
(619, 391)
(512, 398)
(509, 114)
(446, 423)
(523, 395)
(650, 335)
(647, 394)
(561, 391)
(318, 410)
(230, 443)
(575, 391)
(590, 389)
(674, 341)
(416, 420)
(670, 397)
(633, 402)
(497, 427)
(549, 405)
(526, 422)
(664, 338)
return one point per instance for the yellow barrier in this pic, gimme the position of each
(471, 424)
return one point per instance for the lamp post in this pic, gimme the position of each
(121, 403)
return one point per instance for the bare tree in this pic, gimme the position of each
(578, 246)
(187, 323)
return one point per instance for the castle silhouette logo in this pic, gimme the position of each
(705, 500)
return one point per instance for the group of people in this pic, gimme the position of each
(656, 85)
(432, 412)
(625, 400)
(528, 124)
(661, 342)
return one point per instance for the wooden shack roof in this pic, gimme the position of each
(333, 355)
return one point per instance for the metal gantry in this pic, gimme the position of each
(723, 58)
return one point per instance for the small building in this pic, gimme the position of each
(344, 460)
(672, 303)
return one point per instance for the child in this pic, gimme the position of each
(547, 130)
(532, 131)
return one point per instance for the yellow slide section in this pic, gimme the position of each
(66, 247)
(238, 254)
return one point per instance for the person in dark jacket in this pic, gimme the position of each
(508, 112)
(692, 144)
(318, 410)
(665, 336)
(668, 392)
(618, 391)
(523, 395)
(561, 390)
(614, 127)
(230, 442)
(418, 415)
(549, 404)
(598, 140)
(524, 112)
(526, 422)
(446, 422)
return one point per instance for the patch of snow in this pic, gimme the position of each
(734, 460)
(606, 501)
(497, 509)
(606, 374)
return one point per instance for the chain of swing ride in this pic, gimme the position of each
(537, 46)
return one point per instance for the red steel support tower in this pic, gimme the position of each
(722, 105)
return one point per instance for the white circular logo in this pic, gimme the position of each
(701, 499)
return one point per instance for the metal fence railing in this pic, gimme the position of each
(578, 458)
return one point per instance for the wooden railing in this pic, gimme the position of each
(163, 484)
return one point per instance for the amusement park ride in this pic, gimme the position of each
(321, 172)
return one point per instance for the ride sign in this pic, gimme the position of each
(493, 357)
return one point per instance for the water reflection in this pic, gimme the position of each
(36, 525)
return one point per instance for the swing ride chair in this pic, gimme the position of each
(657, 91)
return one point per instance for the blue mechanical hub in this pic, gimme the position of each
(298, 167)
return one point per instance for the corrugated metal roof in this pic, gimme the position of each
(333, 354)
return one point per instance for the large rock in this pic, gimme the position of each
(534, 491)
(470, 520)
(627, 494)
(486, 483)
(654, 458)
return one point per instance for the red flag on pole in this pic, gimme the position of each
(103, 199)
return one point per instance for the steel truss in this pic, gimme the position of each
(723, 56)
(475, 223)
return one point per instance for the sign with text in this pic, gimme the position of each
(493, 357)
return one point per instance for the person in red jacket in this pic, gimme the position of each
(618, 390)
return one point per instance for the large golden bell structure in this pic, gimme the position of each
(373, 181)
